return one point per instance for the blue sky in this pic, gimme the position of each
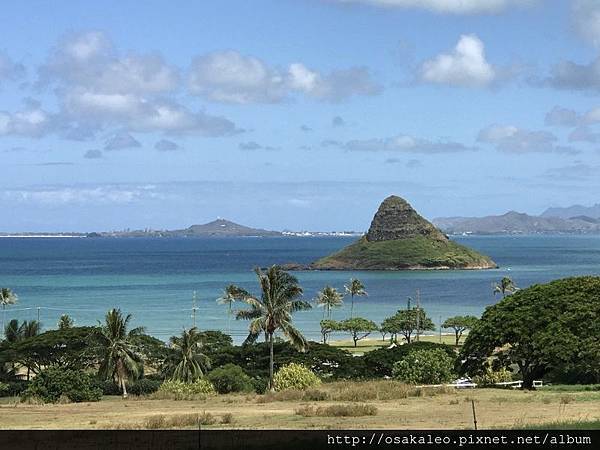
(298, 114)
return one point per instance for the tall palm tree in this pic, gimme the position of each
(120, 360)
(7, 297)
(187, 363)
(65, 322)
(280, 297)
(329, 298)
(355, 288)
(229, 296)
(505, 286)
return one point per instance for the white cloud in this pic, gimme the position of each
(512, 139)
(32, 121)
(447, 6)
(230, 77)
(465, 66)
(98, 88)
(586, 20)
(400, 143)
(562, 117)
(584, 134)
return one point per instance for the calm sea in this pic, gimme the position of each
(155, 279)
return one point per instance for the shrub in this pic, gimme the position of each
(424, 366)
(491, 377)
(353, 410)
(260, 385)
(295, 376)
(161, 421)
(51, 384)
(144, 386)
(230, 378)
(13, 388)
(179, 390)
(4, 388)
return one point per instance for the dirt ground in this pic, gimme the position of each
(495, 409)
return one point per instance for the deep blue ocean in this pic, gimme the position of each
(155, 279)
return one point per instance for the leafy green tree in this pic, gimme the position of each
(424, 367)
(505, 286)
(66, 349)
(65, 322)
(460, 324)
(186, 362)
(329, 298)
(153, 350)
(52, 384)
(358, 327)
(327, 327)
(406, 322)
(230, 378)
(543, 329)
(7, 297)
(120, 359)
(230, 295)
(354, 288)
(279, 299)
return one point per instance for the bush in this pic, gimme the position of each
(230, 378)
(51, 384)
(144, 386)
(4, 388)
(13, 388)
(260, 385)
(295, 376)
(491, 377)
(424, 367)
(180, 390)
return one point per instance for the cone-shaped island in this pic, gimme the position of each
(400, 239)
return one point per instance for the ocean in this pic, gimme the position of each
(155, 279)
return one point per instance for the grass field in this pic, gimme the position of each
(380, 404)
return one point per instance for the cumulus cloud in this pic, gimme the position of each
(400, 143)
(32, 121)
(584, 134)
(120, 141)
(562, 117)
(570, 75)
(230, 77)
(586, 20)
(512, 139)
(465, 66)
(99, 88)
(446, 6)
(93, 154)
(165, 145)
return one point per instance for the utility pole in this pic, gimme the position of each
(440, 329)
(38, 315)
(418, 313)
(194, 308)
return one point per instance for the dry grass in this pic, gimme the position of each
(351, 410)
(398, 407)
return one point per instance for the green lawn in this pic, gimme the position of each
(366, 345)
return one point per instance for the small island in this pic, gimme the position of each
(400, 239)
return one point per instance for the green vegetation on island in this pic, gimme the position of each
(400, 239)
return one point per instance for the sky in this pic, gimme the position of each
(294, 114)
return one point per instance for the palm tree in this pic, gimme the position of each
(505, 286)
(187, 363)
(355, 288)
(7, 297)
(14, 332)
(329, 298)
(229, 296)
(120, 360)
(65, 322)
(280, 297)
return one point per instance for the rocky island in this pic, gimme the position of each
(400, 239)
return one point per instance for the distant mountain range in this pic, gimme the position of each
(574, 212)
(519, 223)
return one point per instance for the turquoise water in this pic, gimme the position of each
(154, 279)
